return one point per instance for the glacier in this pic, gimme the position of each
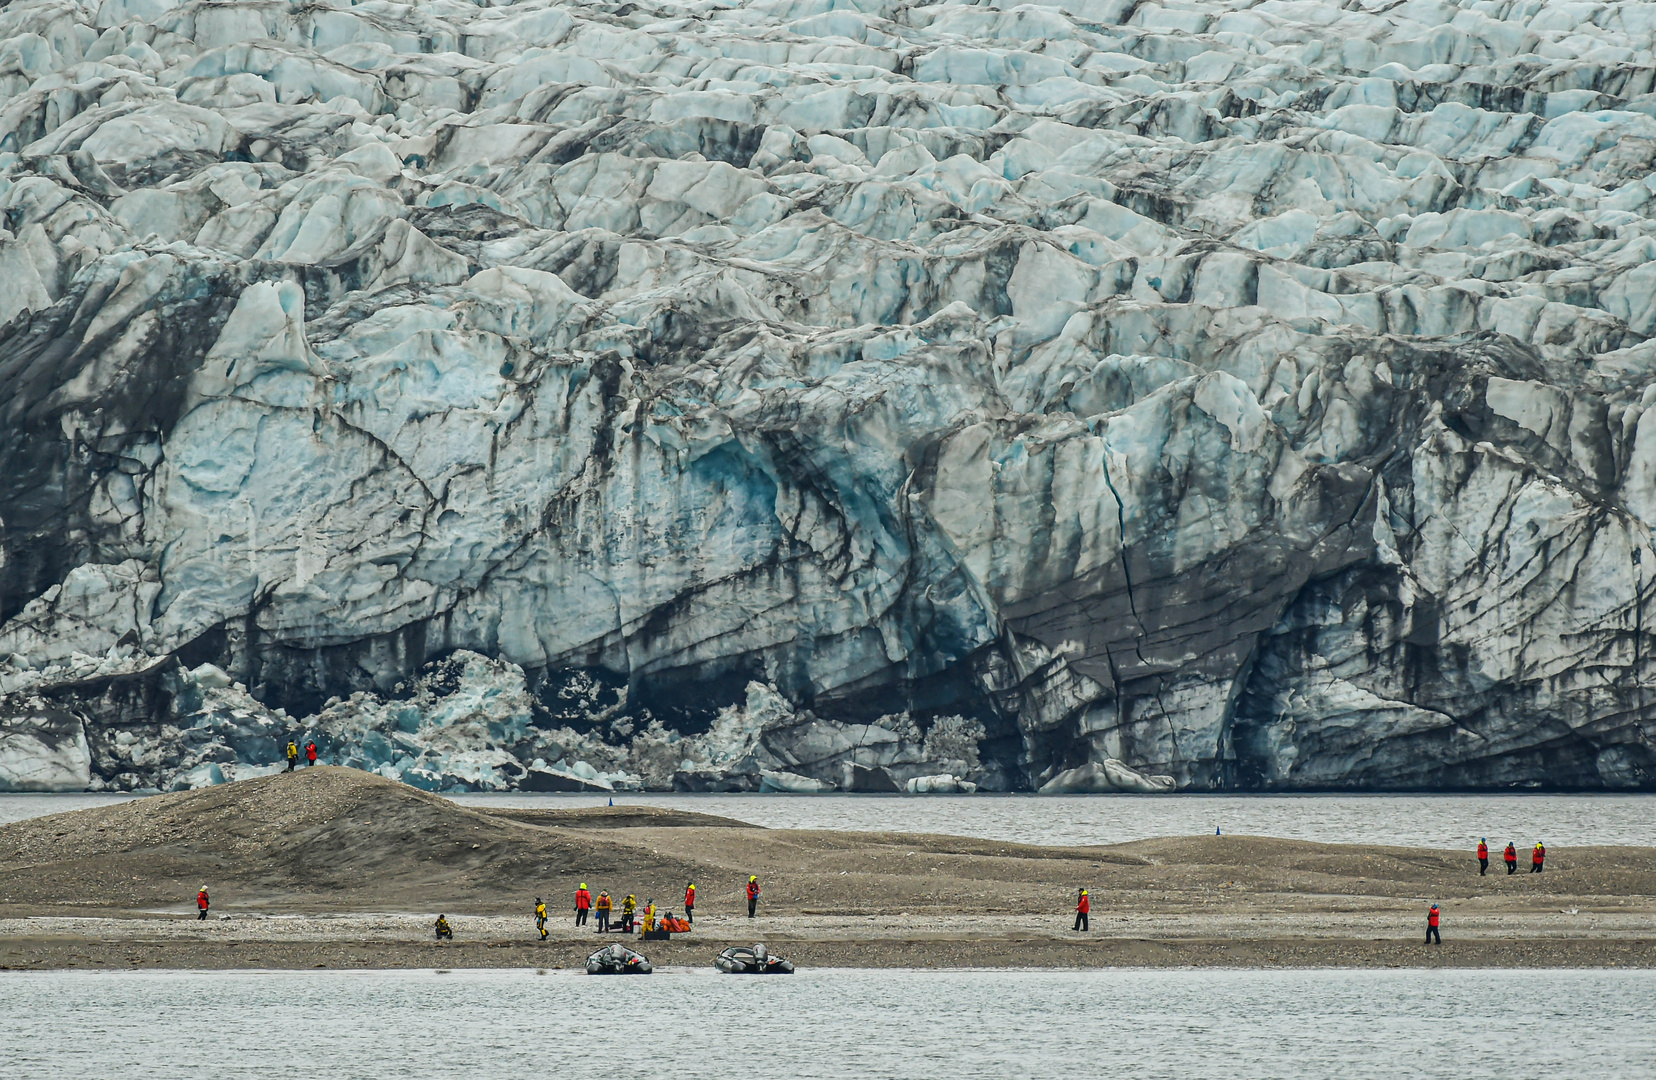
(801, 395)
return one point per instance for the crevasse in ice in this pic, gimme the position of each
(1078, 395)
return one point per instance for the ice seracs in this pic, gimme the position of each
(1079, 395)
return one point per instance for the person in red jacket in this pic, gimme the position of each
(1432, 926)
(201, 904)
(690, 902)
(583, 904)
(1537, 857)
(1483, 856)
(1511, 857)
(310, 754)
(1082, 907)
(753, 895)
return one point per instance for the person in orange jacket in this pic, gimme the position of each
(605, 906)
(1082, 907)
(1511, 857)
(690, 902)
(1483, 856)
(201, 904)
(583, 904)
(1432, 926)
(1537, 857)
(753, 895)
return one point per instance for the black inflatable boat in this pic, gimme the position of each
(741, 960)
(617, 959)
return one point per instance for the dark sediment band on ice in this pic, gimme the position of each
(1091, 395)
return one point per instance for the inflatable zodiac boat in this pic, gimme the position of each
(617, 959)
(741, 960)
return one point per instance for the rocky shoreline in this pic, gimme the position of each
(1251, 940)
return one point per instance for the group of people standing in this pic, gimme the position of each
(1538, 857)
(601, 909)
(293, 754)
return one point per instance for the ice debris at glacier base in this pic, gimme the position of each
(468, 723)
(1123, 394)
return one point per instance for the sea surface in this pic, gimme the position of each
(680, 1025)
(1441, 821)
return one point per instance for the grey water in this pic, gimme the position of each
(847, 1023)
(1442, 821)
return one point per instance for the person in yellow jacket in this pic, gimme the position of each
(602, 908)
(649, 915)
(540, 917)
(293, 756)
(628, 907)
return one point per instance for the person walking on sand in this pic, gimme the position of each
(540, 917)
(1483, 856)
(1537, 857)
(629, 907)
(201, 904)
(583, 904)
(690, 902)
(1511, 857)
(293, 756)
(1082, 907)
(1432, 926)
(310, 755)
(753, 895)
(603, 906)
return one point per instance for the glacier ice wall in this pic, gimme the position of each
(1080, 395)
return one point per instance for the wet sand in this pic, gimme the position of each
(333, 868)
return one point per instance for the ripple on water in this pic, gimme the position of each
(678, 1024)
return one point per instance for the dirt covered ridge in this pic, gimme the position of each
(343, 840)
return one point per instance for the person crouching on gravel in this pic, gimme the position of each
(442, 928)
(603, 905)
(201, 904)
(1083, 906)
